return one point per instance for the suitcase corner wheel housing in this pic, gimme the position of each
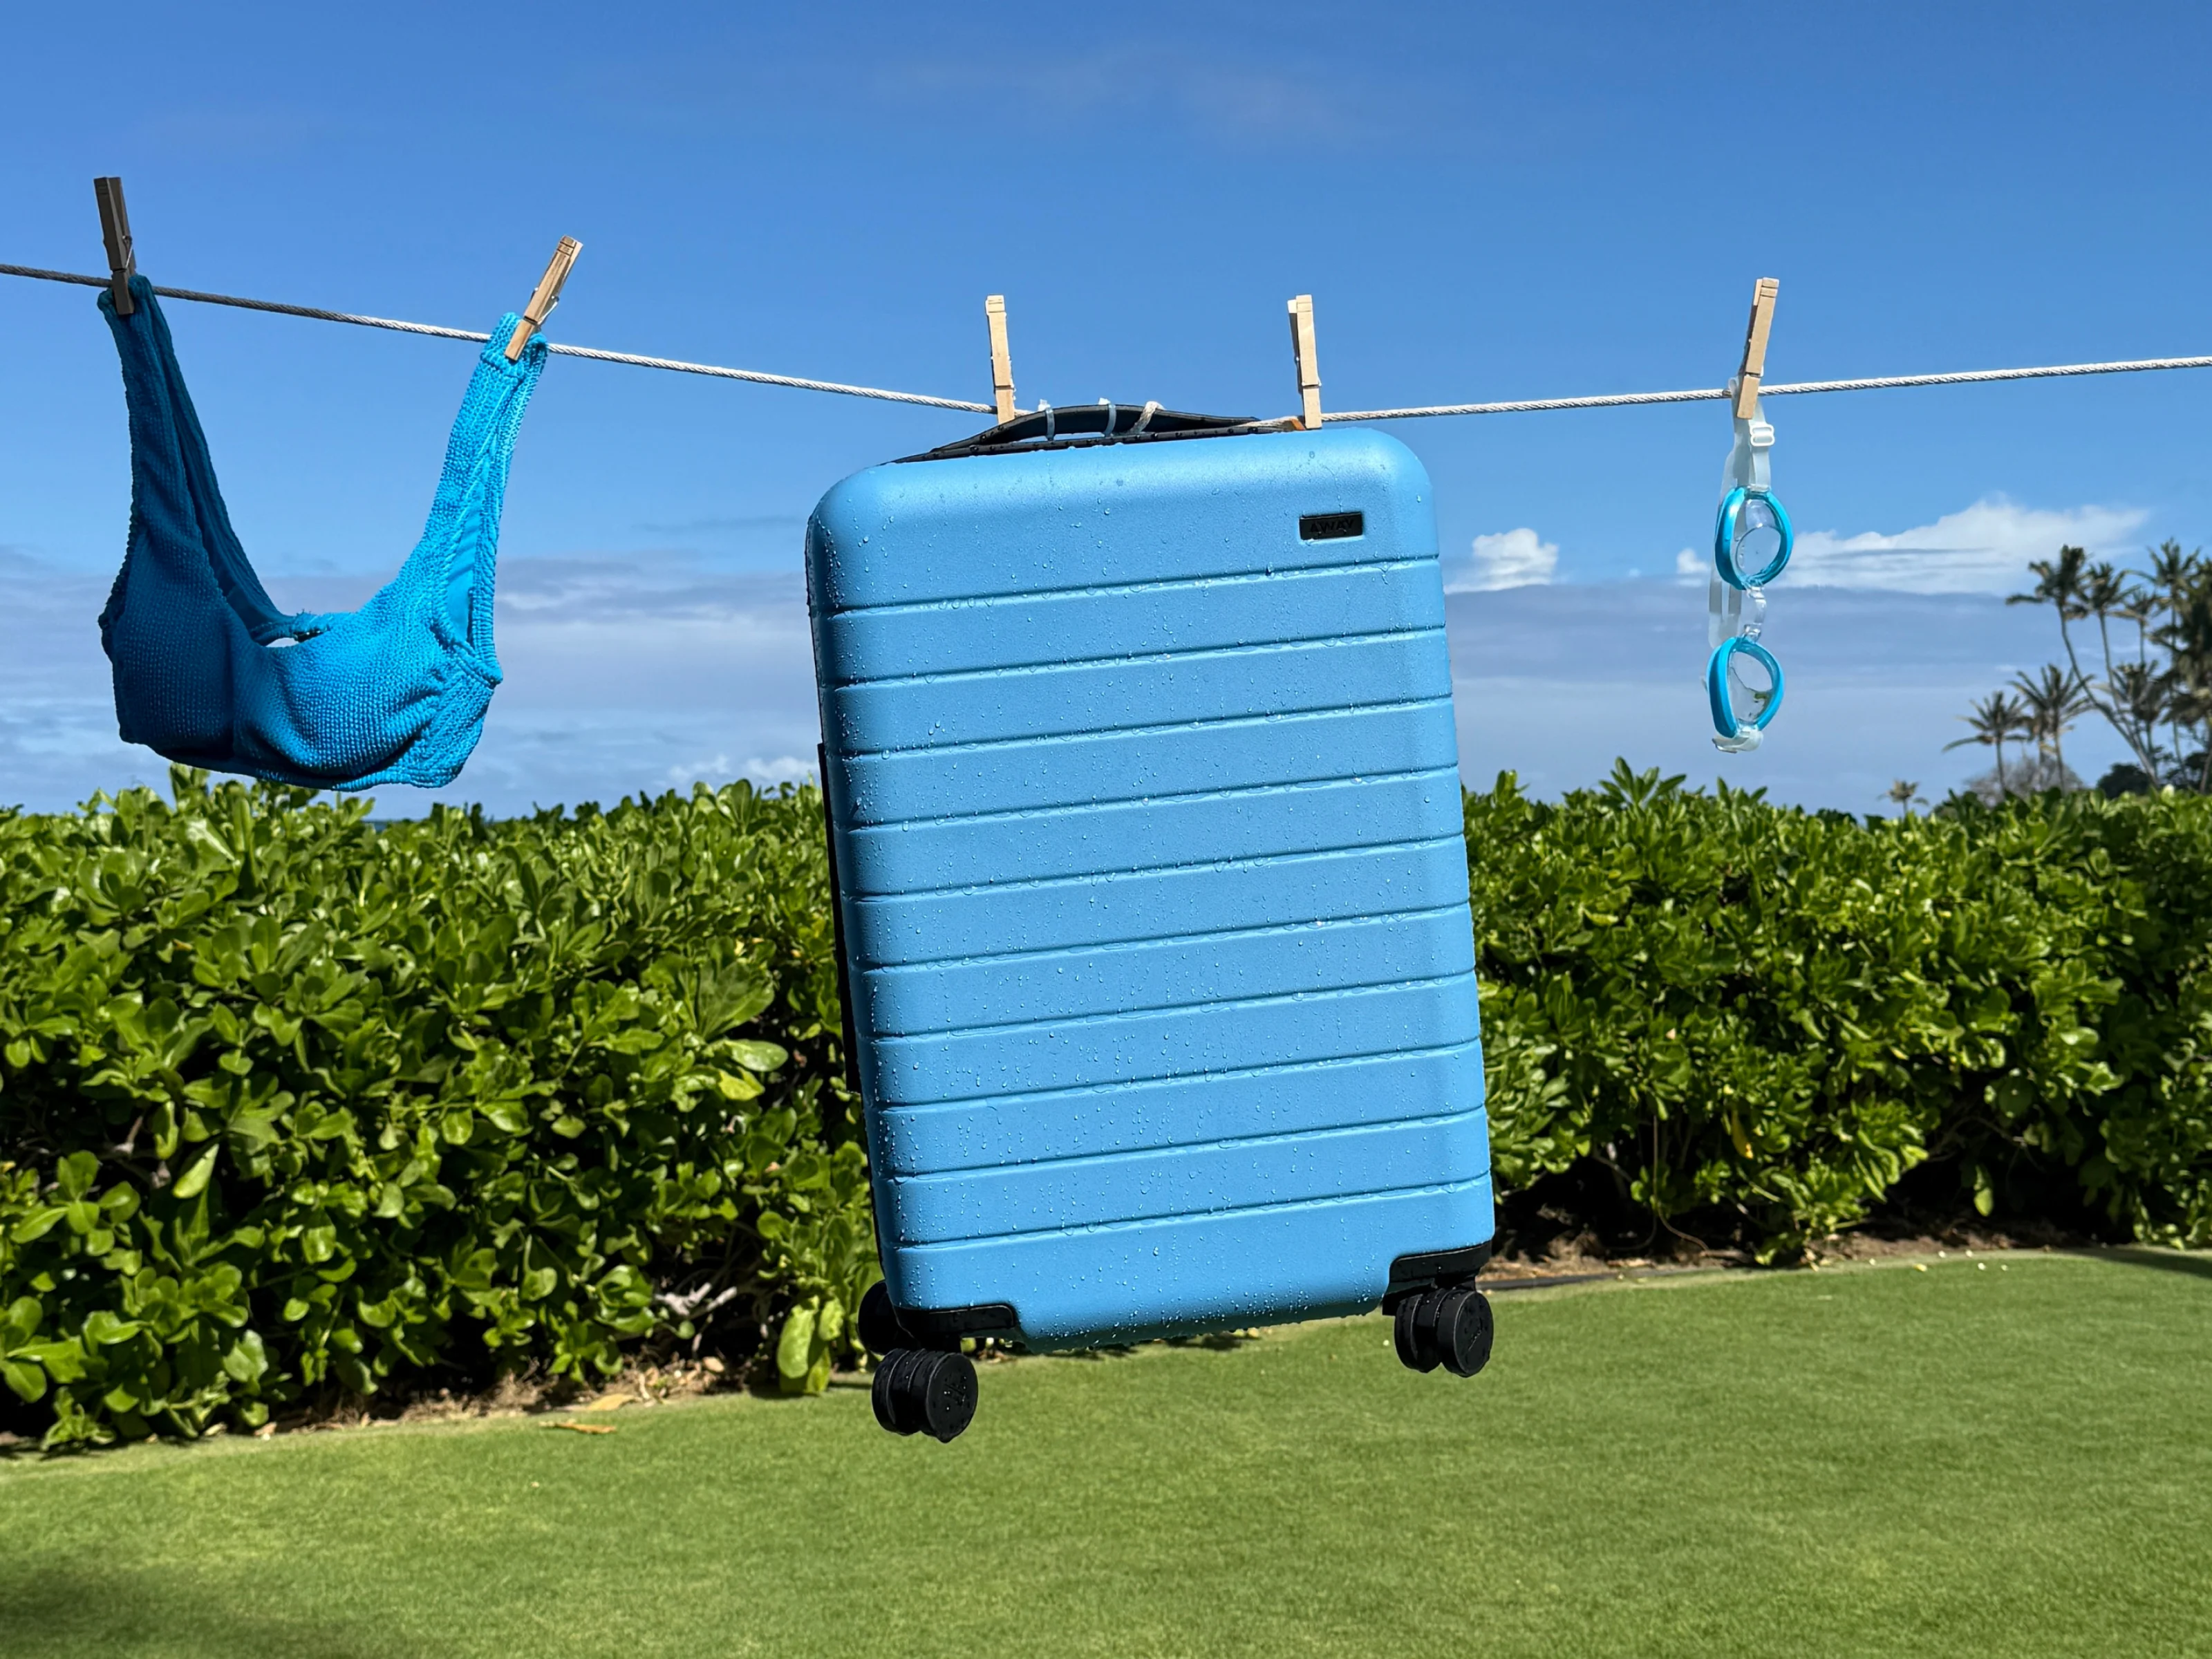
(1146, 824)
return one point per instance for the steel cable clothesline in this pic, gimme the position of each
(1768, 389)
(675, 364)
(1519, 406)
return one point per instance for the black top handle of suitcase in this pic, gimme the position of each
(1081, 426)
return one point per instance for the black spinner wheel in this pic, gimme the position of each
(880, 1330)
(920, 1391)
(1449, 1327)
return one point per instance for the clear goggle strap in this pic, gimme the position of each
(1730, 611)
(1753, 609)
(1748, 465)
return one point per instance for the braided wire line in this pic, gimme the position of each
(675, 364)
(1518, 406)
(680, 366)
(1871, 383)
(315, 312)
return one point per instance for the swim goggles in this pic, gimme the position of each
(1752, 543)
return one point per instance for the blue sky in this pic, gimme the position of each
(1486, 202)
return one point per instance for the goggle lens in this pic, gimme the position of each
(1751, 687)
(1758, 535)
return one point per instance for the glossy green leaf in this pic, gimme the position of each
(27, 1382)
(758, 1056)
(19, 1322)
(104, 1329)
(194, 1180)
(37, 1224)
(795, 1348)
(64, 1361)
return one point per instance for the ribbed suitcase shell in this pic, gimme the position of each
(1147, 823)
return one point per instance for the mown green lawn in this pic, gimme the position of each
(1971, 1460)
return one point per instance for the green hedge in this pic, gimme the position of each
(292, 1102)
(1757, 1020)
(293, 1105)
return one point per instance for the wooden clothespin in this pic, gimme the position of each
(1754, 346)
(115, 229)
(546, 296)
(1002, 359)
(1309, 362)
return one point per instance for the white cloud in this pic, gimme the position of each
(1982, 549)
(684, 774)
(1512, 558)
(784, 768)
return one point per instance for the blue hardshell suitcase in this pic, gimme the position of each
(1145, 807)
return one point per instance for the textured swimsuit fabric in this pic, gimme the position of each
(209, 672)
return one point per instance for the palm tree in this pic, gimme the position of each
(2159, 701)
(1903, 793)
(2054, 704)
(2136, 605)
(1997, 719)
(2172, 573)
(2063, 584)
(2058, 581)
(2076, 589)
(2186, 638)
(2141, 692)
